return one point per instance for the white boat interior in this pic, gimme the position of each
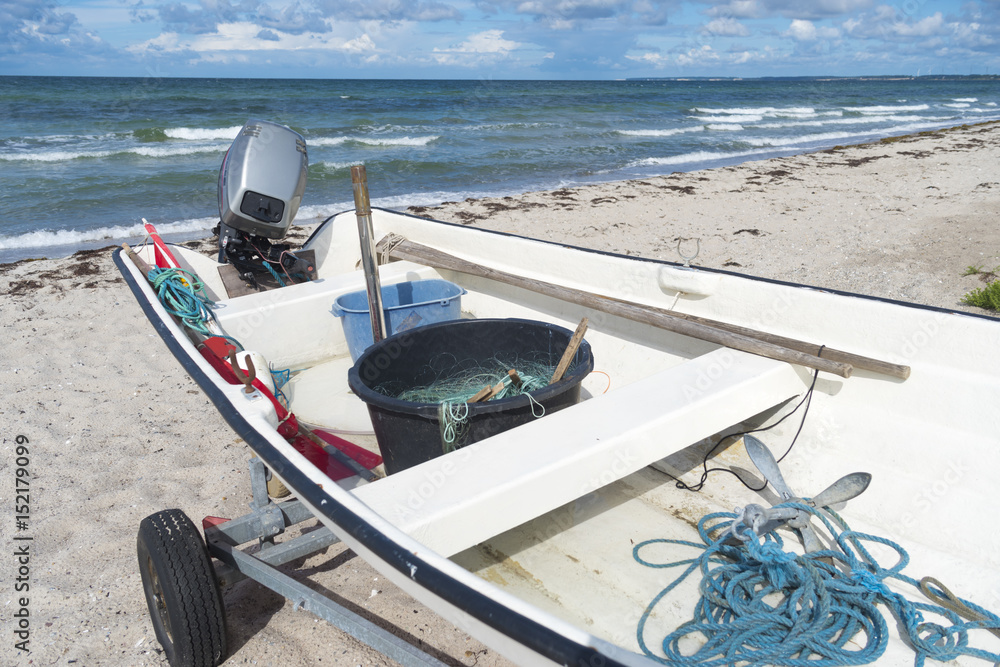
(547, 514)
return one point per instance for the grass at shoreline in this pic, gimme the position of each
(988, 296)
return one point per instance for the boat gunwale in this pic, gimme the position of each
(665, 262)
(520, 628)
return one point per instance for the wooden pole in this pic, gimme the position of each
(139, 262)
(858, 361)
(571, 348)
(415, 252)
(363, 210)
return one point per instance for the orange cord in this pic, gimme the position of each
(609, 380)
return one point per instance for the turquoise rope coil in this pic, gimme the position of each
(274, 273)
(183, 295)
(762, 605)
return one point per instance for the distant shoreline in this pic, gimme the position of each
(804, 77)
(875, 77)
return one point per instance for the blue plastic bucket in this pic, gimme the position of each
(406, 305)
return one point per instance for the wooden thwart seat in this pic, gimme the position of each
(460, 499)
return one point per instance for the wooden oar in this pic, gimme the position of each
(702, 329)
(363, 210)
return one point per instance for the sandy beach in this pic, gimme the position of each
(900, 218)
(114, 430)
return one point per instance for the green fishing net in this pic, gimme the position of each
(447, 379)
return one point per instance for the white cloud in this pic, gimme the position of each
(566, 14)
(925, 27)
(813, 9)
(969, 35)
(477, 49)
(221, 58)
(245, 36)
(739, 9)
(489, 41)
(164, 42)
(888, 25)
(573, 9)
(802, 30)
(40, 26)
(560, 24)
(704, 55)
(726, 27)
(653, 58)
(743, 58)
(362, 44)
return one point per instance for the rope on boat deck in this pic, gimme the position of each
(273, 273)
(762, 605)
(184, 296)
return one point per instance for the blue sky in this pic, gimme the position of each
(536, 39)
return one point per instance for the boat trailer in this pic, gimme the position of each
(183, 586)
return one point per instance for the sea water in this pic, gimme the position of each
(83, 160)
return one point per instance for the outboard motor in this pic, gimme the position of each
(261, 183)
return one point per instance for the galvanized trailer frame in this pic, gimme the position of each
(266, 521)
(183, 585)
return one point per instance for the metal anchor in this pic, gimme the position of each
(844, 489)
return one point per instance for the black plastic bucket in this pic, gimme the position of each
(409, 433)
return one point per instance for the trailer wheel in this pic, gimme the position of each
(181, 590)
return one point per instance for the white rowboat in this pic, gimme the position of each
(525, 539)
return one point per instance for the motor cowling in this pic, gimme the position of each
(261, 183)
(262, 179)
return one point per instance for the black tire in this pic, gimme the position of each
(181, 590)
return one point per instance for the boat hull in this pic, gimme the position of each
(888, 426)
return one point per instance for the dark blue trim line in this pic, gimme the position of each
(519, 628)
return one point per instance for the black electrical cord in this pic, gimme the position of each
(806, 400)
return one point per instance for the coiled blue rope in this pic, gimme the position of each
(274, 273)
(183, 295)
(762, 605)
